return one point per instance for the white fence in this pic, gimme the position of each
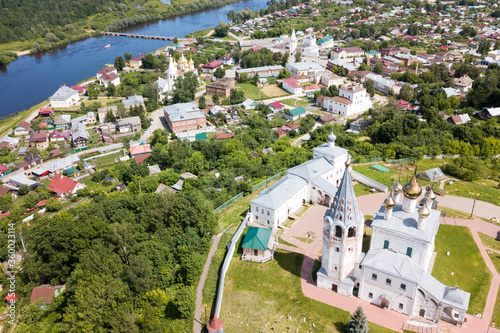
(227, 261)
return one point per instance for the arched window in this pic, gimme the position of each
(351, 232)
(338, 231)
(340, 216)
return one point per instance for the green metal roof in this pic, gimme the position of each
(71, 171)
(297, 111)
(257, 238)
(380, 168)
(200, 136)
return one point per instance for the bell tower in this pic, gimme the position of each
(342, 238)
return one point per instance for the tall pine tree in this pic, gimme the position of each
(357, 323)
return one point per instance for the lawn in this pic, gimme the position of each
(108, 159)
(486, 190)
(489, 241)
(495, 318)
(453, 213)
(251, 91)
(295, 103)
(470, 271)
(268, 297)
(272, 90)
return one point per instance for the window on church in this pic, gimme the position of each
(360, 266)
(408, 251)
(388, 282)
(403, 286)
(386, 244)
(338, 231)
(352, 230)
(267, 213)
(337, 249)
(400, 306)
(370, 295)
(374, 277)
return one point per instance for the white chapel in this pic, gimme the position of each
(395, 272)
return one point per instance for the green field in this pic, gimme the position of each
(470, 272)
(489, 241)
(260, 297)
(251, 91)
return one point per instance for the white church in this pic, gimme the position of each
(352, 100)
(395, 272)
(175, 70)
(313, 181)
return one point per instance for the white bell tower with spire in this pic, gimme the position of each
(293, 42)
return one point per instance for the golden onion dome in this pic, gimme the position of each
(347, 163)
(389, 201)
(411, 189)
(430, 195)
(191, 62)
(398, 188)
(424, 211)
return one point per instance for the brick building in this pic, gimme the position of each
(184, 117)
(221, 87)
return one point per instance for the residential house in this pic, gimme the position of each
(23, 128)
(464, 83)
(33, 159)
(221, 87)
(79, 135)
(265, 71)
(389, 51)
(347, 52)
(64, 97)
(38, 139)
(134, 101)
(249, 104)
(4, 170)
(459, 119)
(20, 179)
(136, 62)
(140, 150)
(63, 121)
(495, 55)
(349, 64)
(295, 114)
(306, 68)
(184, 117)
(89, 118)
(9, 142)
(292, 86)
(81, 89)
(373, 54)
(45, 112)
(351, 100)
(56, 136)
(129, 124)
(224, 136)
(277, 106)
(326, 119)
(45, 294)
(212, 66)
(64, 186)
(329, 79)
(108, 78)
(360, 125)
(227, 60)
(102, 112)
(106, 70)
(259, 244)
(490, 113)
(382, 84)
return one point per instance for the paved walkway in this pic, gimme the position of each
(311, 224)
(482, 209)
(197, 327)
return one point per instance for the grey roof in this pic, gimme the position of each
(79, 119)
(325, 186)
(301, 66)
(137, 143)
(135, 120)
(248, 102)
(134, 99)
(344, 208)
(434, 174)
(23, 150)
(380, 80)
(62, 163)
(405, 224)
(78, 131)
(327, 151)
(64, 92)
(259, 69)
(22, 180)
(402, 266)
(154, 169)
(311, 169)
(276, 195)
(494, 112)
(183, 111)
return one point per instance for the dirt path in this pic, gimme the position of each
(197, 327)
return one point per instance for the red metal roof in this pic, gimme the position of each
(62, 185)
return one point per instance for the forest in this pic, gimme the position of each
(129, 262)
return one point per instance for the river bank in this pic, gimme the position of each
(156, 13)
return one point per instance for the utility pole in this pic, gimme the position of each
(473, 206)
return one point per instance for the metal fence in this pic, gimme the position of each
(227, 203)
(270, 179)
(227, 261)
(387, 160)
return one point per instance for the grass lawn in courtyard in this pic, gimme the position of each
(295, 103)
(470, 271)
(489, 241)
(251, 91)
(272, 90)
(486, 190)
(260, 297)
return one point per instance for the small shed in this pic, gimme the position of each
(433, 174)
(259, 244)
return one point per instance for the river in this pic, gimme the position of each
(29, 80)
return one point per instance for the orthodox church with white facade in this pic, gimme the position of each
(313, 181)
(395, 272)
(352, 100)
(175, 70)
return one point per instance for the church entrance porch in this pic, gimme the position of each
(334, 287)
(385, 302)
